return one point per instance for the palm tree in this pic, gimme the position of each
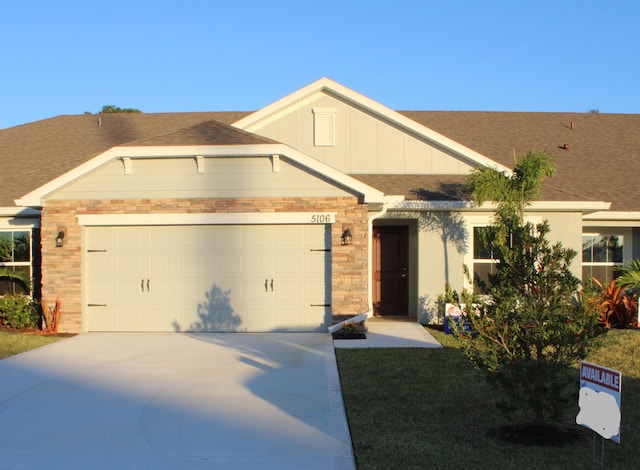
(630, 275)
(511, 192)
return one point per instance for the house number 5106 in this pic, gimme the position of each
(321, 219)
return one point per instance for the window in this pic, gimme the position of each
(601, 254)
(15, 256)
(484, 262)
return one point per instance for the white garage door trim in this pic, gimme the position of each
(244, 218)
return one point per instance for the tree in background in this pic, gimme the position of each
(108, 108)
(533, 325)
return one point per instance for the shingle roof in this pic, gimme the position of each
(596, 155)
(419, 187)
(204, 133)
(35, 153)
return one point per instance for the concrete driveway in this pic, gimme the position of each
(164, 401)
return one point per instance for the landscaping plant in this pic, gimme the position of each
(18, 311)
(534, 325)
(617, 307)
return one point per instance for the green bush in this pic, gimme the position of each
(19, 311)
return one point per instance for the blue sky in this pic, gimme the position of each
(68, 57)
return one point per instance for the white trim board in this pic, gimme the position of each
(536, 206)
(244, 218)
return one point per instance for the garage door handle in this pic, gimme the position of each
(271, 285)
(148, 288)
(266, 285)
(142, 284)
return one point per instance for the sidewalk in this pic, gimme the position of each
(398, 332)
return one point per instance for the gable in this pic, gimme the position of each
(198, 177)
(301, 173)
(367, 137)
(363, 143)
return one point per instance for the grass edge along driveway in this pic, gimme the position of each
(16, 343)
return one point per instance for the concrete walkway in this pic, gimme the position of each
(175, 401)
(392, 332)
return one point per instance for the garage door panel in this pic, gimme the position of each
(289, 263)
(163, 290)
(164, 238)
(164, 263)
(194, 264)
(210, 278)
(215, 311)
(129, 238)
(132, 318)
(162, 318)
(258, 236)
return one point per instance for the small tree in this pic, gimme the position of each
(534, 326)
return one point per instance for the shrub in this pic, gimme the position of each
(617, 308)
(19, 311)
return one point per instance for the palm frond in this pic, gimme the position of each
(630, 277)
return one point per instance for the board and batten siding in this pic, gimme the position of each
(178, 177)
(364, 143)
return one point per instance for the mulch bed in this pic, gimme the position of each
(31, 331)
(350, 335)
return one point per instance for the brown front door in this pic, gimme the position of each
(390, 270)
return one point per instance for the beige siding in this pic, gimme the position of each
(364, 143)
(177, 177)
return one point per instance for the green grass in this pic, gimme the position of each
(16, 343)
(428, 408)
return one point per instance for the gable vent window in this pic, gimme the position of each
(324, 127)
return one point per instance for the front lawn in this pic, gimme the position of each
(16, 343)
(428, 408)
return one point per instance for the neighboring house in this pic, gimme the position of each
(322, 203)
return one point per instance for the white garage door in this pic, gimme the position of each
(253, 278)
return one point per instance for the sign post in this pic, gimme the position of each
(599, 401)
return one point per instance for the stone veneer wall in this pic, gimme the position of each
(62, 267)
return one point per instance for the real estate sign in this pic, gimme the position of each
(599, 400)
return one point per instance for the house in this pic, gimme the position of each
(323, 203)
